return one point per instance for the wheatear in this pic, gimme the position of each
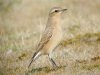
(51, 37)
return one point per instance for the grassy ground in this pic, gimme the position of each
(22, 23)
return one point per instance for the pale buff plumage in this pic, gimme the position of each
(51, 37)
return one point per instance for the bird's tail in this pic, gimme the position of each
(36, 55)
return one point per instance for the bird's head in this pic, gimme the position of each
(56, 11)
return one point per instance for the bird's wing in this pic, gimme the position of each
(45, 38)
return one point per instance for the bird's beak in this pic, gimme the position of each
(64, 10)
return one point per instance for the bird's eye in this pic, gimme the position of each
(56, 10)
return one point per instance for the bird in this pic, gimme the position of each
(51, 37)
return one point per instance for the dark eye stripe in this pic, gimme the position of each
(56, 10)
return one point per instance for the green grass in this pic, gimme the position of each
(91, 66)
(44, 69)
(88, 38)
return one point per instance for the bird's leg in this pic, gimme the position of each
(53, 63)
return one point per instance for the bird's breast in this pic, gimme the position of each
(54, 40)
(57, 34)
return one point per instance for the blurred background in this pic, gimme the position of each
(22, 23)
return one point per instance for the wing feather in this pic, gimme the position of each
(45, 38)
